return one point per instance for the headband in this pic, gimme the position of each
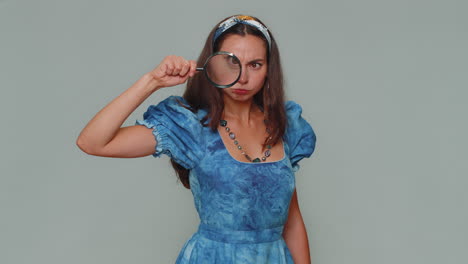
(239, 19)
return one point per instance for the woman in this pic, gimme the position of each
(236, 148)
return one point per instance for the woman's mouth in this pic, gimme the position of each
(240, 91)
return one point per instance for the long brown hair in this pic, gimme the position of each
(200, 94)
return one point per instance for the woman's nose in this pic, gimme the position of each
(244, 78)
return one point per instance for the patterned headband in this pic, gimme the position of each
(248, 20)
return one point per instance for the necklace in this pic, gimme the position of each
(232, 136)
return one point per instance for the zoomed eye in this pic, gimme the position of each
(233, 60)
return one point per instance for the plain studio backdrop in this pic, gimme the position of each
(383, 84)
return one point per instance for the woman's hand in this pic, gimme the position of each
(173, 70)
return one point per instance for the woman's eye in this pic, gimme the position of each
(256, 65)
(231, 60)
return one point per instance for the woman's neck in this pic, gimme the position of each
(244, 112)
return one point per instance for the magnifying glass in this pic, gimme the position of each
(222, 69)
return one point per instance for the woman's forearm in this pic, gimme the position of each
(104, 125)
(295, 234)
(298, 244)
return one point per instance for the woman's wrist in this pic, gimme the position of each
(150, 83)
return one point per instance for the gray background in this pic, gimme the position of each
(383, 83)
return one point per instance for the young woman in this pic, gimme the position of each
(236, 148)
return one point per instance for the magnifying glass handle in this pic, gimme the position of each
(200, 69)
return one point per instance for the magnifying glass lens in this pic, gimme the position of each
(223, 69)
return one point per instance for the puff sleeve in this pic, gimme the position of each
(177, 130)
(299, 135)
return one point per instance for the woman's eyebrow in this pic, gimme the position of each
(257, 60)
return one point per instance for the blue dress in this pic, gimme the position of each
(242, 206)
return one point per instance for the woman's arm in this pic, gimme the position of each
(295, 234)
(104, 136)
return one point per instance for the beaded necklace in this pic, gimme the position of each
(232, 136)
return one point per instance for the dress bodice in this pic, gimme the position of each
(240, 195)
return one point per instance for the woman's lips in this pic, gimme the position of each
(240, 91)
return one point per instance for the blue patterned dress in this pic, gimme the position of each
(242, 206)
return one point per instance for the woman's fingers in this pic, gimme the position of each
(185, 68)
(193, 68)
(176, 65)
(174, 70)
(177, 68)
(170, 67)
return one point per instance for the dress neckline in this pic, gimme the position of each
(252, 163)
